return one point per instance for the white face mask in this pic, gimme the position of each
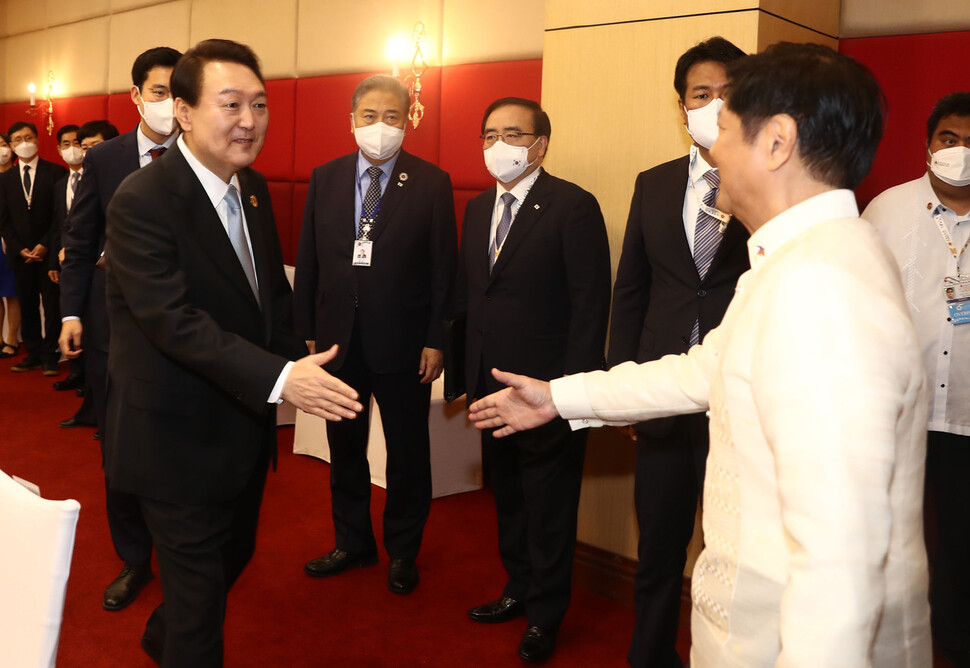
(72, 155)
(6, 155)
(951, 165)
(507, 163)
(379, 141)
(702, 123)
(26, 150)
(159, 116)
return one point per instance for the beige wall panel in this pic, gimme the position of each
(467, 41)
(609, 93)
(132, 32)
(25, 60)
(820, 15)
(79, 57)
(335, 37)
(4, 4)
(564, 13)
(866, 18)
(273, 40)
(125, 5)
(25, 15)
(772, 29)
(60, 12)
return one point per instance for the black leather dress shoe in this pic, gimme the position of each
(124, 589)
(402, 576)
(337, 561)
(72, 382)
(51, 367)
(29, 363)
(75, 422)
(537, 645)
(504, 609)
(96, 435)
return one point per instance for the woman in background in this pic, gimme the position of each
(8, 295)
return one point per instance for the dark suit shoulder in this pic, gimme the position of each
(112, 149)
(672, 170)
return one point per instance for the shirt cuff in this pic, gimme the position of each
(69, 317)
(569, 396)
(274, 396)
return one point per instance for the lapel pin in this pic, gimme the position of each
(253, 200)
(400, 184)
(403, 176)
(537, 207)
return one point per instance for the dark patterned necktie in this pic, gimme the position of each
(707, 236)
(157, 152)
(371, 200)
(502, 231)
(27, 180)
(75, 177)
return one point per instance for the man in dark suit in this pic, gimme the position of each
(676, 276)
(534, 280)
(375, 263)
(85, 318)
(200, 309)
(26, 216)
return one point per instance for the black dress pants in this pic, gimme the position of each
(404, 404)
(669, 480)
(33, 284)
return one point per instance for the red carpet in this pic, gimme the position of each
(277, 616)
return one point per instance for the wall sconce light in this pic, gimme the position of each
(46, 108)
(418, 67)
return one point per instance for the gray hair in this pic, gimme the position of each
(381, 82)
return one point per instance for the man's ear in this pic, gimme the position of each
(779, 140)
(135, 95)
(683, 111)
(183, 114)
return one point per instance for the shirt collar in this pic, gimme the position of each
(145, 144)
(777, 232)
(363, 164)
(32, 163)
(698, 165)
(933, 203)
(521, 189)
(214, 186)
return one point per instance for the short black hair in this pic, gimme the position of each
(20, 125)
(5, 137)
(954, 104)
(540, 119)
(63, 130)
(95, 128)
(835, 101)
(187, 75)
(715, 49)
(160, 56)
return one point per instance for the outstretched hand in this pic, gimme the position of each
(525, 404)
(313, 390)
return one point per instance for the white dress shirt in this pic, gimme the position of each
(904, 216)
(695, 195)
(519, 191)
(813, 531)
(145, 145)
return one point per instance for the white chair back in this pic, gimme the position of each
(36, 544)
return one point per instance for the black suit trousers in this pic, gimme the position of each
(536, 477)
(33, 284)
(404, 404)
(201, 551)
(669, 481)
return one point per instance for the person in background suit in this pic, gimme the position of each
(200, 313)
(9, 306)
(84, 324)
(813, 530)
(90, 134)
(374, 267)
(26, 216)
(534, 280)
(675, 278)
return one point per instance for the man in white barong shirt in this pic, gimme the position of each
(814, 551)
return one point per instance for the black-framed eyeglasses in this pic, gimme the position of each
(508, 137)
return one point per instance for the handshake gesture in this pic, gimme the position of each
(525, 404)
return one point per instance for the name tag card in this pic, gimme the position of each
(363, 252)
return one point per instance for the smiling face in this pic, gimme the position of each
(226, 129)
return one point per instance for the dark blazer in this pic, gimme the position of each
(58, 222)
(193, 357)
(400, 300)
(82, 284)
(543, 309)
(22, 227)
(658, 293)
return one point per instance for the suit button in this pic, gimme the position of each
(702, 293)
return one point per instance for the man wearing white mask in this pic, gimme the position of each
(534, 281)
(374, 268)
(680, 261)
(69, 147)
(85, 317)
(926, 224)
(26, 217)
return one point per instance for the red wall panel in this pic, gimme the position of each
(122, 112)
(275, 161)
(282, 194)
(914, 72)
